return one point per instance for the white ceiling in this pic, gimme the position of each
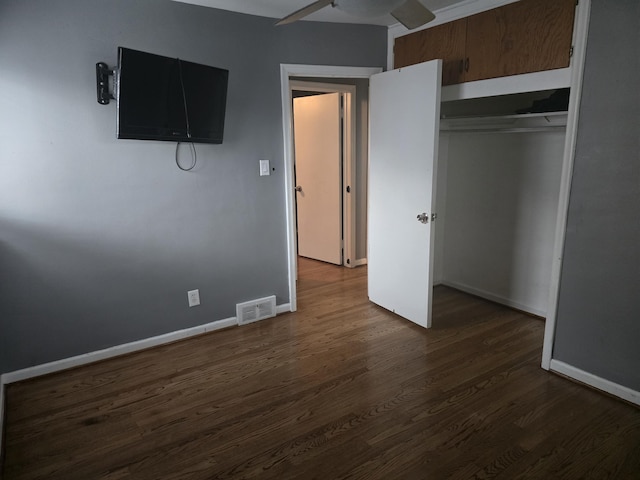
(281, 8)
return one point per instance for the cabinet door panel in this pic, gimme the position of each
(522, 37)
(447, 41)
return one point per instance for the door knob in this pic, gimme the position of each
(298, 188)
(423, 218)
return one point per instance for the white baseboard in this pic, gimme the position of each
(360, 261)
(495, 298)
(91, 357)
(284, 308)
(115, 351)
(594, 381)
(79, 360)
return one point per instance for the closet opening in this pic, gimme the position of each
(498, 193)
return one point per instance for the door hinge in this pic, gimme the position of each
(571, 52)
(424, 217)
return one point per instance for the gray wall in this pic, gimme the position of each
(598, 327)
(100, 239)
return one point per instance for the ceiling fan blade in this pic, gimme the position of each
(412, 14)
(304, 11)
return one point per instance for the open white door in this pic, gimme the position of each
(318, 150)
(403, 132)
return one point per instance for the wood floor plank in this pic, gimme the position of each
(340, 389)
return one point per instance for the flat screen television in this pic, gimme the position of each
(162, 98)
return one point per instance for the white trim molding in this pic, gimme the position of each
(284, 308)
(594, 381)
(580, 32)
(117, 350)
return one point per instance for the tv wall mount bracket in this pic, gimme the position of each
(103, 72)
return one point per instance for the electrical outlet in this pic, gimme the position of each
(194, 297)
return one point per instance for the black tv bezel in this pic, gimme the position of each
(127, 132)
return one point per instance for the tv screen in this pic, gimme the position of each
(162, 98)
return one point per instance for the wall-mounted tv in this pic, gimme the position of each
(162, 98)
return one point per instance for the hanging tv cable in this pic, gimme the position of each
(186, 114)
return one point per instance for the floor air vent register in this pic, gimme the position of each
(255, 310)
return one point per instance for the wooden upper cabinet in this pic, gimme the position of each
(446, 41)
(521, 37)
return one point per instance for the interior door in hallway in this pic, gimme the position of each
(404, 126)
(318, 167)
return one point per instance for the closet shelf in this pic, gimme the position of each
(525, 122)
(527, 82)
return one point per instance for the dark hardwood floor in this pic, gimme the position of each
(339, 389)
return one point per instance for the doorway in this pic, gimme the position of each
(323, 133)
(289, 74)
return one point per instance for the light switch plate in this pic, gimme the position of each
(264, 168)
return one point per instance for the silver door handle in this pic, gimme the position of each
(423, 218)
(298, 188)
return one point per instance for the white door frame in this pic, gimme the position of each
(348, 160)
(309, 71)
(580, 32)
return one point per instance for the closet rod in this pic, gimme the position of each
(504, 130)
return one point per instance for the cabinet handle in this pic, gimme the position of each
(466, 65)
